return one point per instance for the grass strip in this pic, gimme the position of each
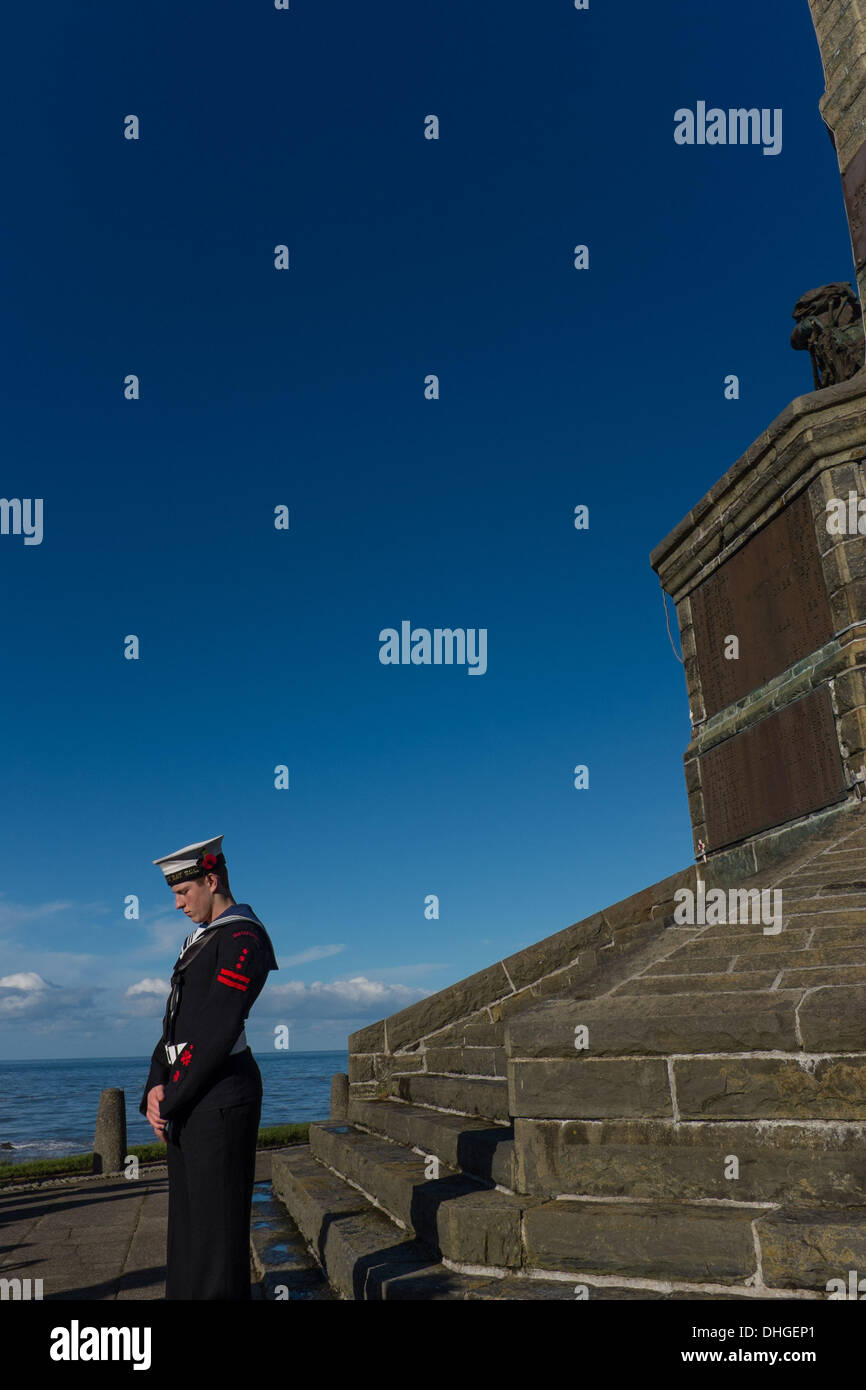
(274, 1137)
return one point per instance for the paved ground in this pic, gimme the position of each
(104, 1238)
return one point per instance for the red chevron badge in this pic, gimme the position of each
(233, 978)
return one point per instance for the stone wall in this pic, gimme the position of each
(460, 1030)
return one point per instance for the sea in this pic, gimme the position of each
(48, 1108)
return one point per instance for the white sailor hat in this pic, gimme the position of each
(193, 861)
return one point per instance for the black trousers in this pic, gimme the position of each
(211, 1169)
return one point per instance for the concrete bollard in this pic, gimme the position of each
(109, 1141)
(339, 1096)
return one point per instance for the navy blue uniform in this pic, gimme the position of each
(212, 1102)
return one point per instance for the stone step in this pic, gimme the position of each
(805, 978)
(282, 1267)
(736, 939)
(746, 1087)
(810, 1164)
(770, 1253)
(739, 1021)
(805, 1087)
(798, 974)
(705, 984)
(530, 1286)
(366, 1256)
(466, 1061)
(807, 917)
(824, 872)
(831, 931)
(357, 1246)
(649, 1240)
(829, 1018)
(471, 1145)
(478, 1030)
(462, 1095)
(734, 960)
(574, 1250)
(592, 1088)
(453, 1215)
(824, 899)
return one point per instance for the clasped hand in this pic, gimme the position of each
(154, 1119)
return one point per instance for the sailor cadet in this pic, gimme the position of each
(203, 1096)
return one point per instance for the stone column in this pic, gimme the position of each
(841, 29)
(339, 1096)
(109, 1141)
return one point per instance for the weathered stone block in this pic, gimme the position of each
(472, 1145)
(805, 1250)
(576, 979)
(466, 1096)
(481, 1229)
(364, 1090)
(809, 979)
(765, 1088)
(642, 1240)
(442, 1008)
(700, 984)
(555, 951)
(659, 1024)
(640, 906)
(591, 1088)
(834, 1019)
(370, 1039)
(775, 1162)
(361, 1067)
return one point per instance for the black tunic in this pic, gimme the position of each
(213, 987)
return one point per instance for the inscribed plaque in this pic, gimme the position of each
(782, 767)
(770, 595)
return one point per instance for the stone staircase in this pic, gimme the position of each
(707, 1142)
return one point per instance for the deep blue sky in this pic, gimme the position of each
(306, 387)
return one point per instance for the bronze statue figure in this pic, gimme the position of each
(830, 325)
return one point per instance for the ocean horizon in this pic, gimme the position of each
(48, 1106)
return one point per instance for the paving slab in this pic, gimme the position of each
(90, 1237)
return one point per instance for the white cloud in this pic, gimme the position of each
(72, 969)
(159, 987)
(48, 1009)
(337, 999)
(27, 979)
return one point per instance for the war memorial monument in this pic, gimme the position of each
(668, 1099)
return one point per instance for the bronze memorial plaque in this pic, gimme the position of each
(784, 766)
(854, 190)
(771, 596)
